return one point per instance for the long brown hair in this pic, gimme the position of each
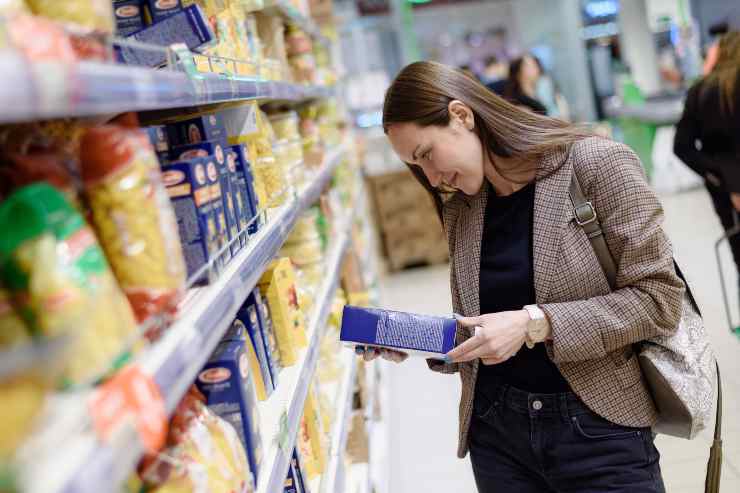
(422, 92)
(726, 71)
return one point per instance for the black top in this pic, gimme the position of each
(507, 283)
(708, 135)
(501, 87)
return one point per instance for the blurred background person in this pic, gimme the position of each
(708, 135)
(550, 95)
(521, 86)
(494, 71)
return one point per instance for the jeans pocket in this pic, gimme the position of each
(594, 427)
(484, 409)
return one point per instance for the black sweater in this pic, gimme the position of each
(708, 136)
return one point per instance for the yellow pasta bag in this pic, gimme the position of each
(93, 14)
(60, 281)
(133, 216)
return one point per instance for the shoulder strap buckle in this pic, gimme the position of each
(585, 213)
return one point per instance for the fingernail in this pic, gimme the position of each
(447, 359)
(359, 350)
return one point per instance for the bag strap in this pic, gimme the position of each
(587, 218)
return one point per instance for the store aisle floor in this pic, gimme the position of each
(423, 409)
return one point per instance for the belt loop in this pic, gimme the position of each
(563, 398)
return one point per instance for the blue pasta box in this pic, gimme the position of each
(189, 27)
(248, 315)
(272, 350)
(293, 483)
(418, 335)
(158, 137)
(222, 230)
(205, 128)
(227, 384)
(227, 196)
(243, 164)
(129, 16)
(190, 193)
(162, 9)
(200, 149)
(242, 208)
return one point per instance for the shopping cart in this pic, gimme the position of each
(735, 230)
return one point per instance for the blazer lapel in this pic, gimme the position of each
(550, 211)
(469, 235)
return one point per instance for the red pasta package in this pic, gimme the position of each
(133, 216)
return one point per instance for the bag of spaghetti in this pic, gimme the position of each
(60, 281)
(133, 217)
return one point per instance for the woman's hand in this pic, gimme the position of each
(498, 337)
(371, 353)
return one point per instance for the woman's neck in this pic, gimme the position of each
(502, 185)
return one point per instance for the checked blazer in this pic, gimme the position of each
(593, 329)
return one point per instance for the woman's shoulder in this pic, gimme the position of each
(600, 157)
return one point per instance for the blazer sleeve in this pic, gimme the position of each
(437, 365)
(648, 295)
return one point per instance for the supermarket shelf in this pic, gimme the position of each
(290, 14)
(33, 91)
(281, 413)
(173, 362)
(341, 425)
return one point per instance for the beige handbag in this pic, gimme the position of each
(680, 370)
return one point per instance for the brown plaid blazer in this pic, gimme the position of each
(593, 328)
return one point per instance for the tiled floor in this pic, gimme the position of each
(423, 408)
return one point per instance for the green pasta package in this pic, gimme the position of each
(133, 217)
(60, 282)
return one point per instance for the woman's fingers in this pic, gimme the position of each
(395, 356)
(456, 355)
(468, 321)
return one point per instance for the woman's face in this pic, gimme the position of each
(450, 155)
(530, 70)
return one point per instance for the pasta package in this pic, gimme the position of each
(133, 216)
(96, 15)
(204, 454)
(60, 282)
(12, 328)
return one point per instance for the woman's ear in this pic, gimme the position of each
(462, 113)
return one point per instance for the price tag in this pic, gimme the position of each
(130, 395)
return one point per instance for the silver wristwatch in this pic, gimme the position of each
(537, 325)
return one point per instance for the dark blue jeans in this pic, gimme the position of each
(521, 442)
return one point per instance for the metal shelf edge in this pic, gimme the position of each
(280, 468)
(54, 90)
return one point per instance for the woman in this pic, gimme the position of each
(708, 135)
(521, 86)
(571, 413)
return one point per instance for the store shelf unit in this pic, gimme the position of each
(281, 414)
(91, 466)
(343, 406)
(33, 91)
(293, 16)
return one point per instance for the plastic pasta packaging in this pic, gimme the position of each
(92, 14)
(13, 330)
(60, 281)
(203, 454)
(38, 39)
(133, 216)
